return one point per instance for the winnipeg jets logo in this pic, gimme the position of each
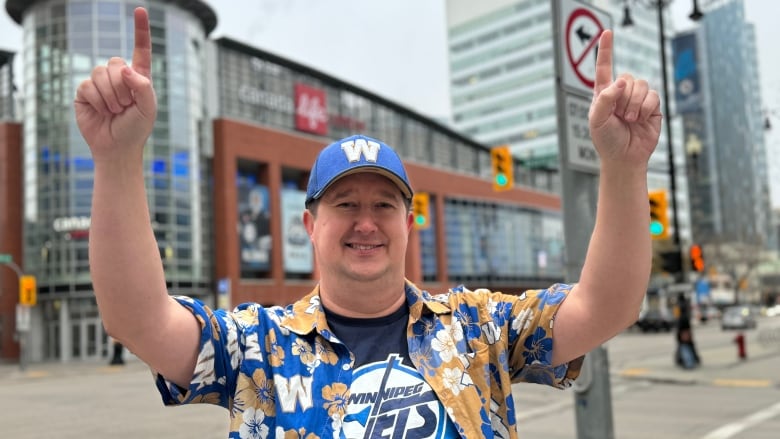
(353, 149)
(391, 400)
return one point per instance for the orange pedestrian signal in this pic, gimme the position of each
(697, 258)
(502, 163)
(28, 294)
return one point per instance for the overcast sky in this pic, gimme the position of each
(397, 48)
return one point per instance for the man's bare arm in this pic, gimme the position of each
(115, 110)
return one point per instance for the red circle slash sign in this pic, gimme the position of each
(589, 42)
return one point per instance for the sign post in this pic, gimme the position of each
(577, 28)
(223, 293)
(27, 299)
(23, 326)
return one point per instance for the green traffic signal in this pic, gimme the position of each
(501, 179)
(656, 228)
(420, 220)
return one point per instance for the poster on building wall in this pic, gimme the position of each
(296, 247)
(254, 226)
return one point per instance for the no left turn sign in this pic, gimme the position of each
(581, 26)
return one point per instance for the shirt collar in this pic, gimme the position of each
(307, 314)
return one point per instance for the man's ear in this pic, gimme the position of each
(308, 222)
(409, 221)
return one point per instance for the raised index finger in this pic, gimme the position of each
(142, 52)
(604, 62)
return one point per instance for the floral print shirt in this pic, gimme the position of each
(282, 373)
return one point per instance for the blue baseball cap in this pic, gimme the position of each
(352, 155)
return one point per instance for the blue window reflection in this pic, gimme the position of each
(159, 166)
(181, 166)
(83, 164)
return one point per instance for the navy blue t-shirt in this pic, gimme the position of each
(372, 339)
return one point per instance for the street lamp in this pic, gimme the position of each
(695, 15)
(767, 119)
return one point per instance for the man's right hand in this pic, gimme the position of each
(116, 107)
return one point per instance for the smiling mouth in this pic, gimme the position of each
(363, 246)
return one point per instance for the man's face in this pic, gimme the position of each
(361, 229)
(255, 202)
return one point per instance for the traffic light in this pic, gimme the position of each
(503, 168)
(659, 217)
(27, 291)
(420, 210)
(697, 258)
(671, 262)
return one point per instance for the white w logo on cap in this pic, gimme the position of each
(355, 148)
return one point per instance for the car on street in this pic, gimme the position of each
(738, 317)
(656, 320)
(656, 313)
(773, 311)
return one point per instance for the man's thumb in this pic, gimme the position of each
(143, 93)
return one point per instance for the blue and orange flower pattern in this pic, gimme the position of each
(281, 372)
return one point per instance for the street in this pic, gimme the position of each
(651, 398)
(724, 398)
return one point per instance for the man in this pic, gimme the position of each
(366, 353)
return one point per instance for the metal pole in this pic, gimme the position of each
(579, 195)
(21, 336)
(668, 119)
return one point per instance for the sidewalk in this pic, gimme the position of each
(719, 366)
(10, 372)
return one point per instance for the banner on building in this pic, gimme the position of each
(687, 84)
(254, 226)
(296, 247)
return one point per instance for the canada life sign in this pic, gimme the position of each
(311, 114)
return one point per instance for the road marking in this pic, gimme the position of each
(730, 430)
(635, 371)
(37, 374)
(725, 382)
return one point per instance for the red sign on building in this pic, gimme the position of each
(311, 109)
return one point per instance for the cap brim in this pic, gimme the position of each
(406, 191)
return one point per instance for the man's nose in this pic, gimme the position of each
(365, 221)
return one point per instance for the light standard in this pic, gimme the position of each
(767, 118)
(695, 15)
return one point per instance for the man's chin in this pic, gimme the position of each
(367, 274)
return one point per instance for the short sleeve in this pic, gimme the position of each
(531, 325)
(213, 380)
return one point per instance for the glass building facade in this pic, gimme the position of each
(724, 131)
(502, 69)
(260, 88)
(7, 86)
(63, 41)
